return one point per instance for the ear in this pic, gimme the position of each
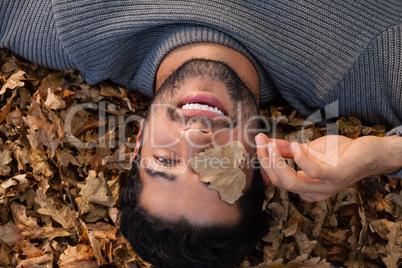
(138, 141)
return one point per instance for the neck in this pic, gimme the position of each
(237, 61)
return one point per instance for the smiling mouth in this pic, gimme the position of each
(202, 104)
(202, 107)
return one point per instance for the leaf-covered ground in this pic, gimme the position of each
(60, 166)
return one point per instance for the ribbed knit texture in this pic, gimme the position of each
(313, 53)
(28, 28)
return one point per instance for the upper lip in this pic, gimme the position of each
(204, 98)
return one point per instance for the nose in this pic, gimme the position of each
(198, 139)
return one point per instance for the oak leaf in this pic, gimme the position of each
(93, 192)
(51, 232)
(19, 181)
(5, 159)
(53, 101)
(58, 211)
(10, 234)
(13, 81)
(35, 261)
(220, 167)
(28, 225)
(44, 132)
(78, 256)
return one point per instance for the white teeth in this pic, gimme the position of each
(196, 106)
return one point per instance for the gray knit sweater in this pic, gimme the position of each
(313, 53)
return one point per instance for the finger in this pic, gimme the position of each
(262, 154)
(280, 173)
(284, 176)
(265, 159)
(313, 169)
(284, 146)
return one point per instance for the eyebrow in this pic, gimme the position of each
(161, 174)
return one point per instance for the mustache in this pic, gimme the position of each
(209, 124)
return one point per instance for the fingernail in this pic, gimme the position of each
(258, 140)
(270, 147)
(293, 147)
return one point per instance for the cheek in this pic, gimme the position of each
(222, 137)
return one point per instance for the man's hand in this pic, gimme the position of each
(329, 164)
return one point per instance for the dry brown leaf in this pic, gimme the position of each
(5, 159)
(26, 248)
(274, 239)
(221, 168)
(97, 248)
(119, 160)
(9, 66)
(54, 117)
(36, 261)
(5, 255)
(89, 93)
(90, 124)
(394, 246)
(13, 82)
(77, 256)
(336, 236)
(28, 225)
(10, 234)
(40, 163)
(103, 230)
(19, 183)
(349, 126)
(74, 117)
(108, 90)
(94, 191)
(397, 200)
(58, 211)
(53, 101)
(381, 227)
(44, 132)
(15, 118)
(301, 136)
(6, 108)
(319, 212)
(52, 233)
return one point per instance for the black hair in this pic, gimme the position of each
(177, 244)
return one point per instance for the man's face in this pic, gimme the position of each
(176, 131)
